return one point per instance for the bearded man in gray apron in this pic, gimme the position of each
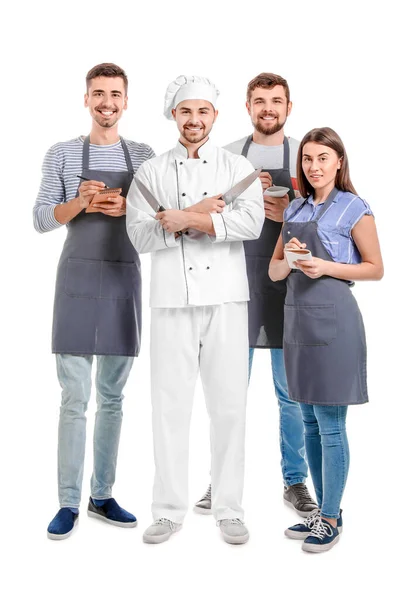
(97, 308)
(269, 105)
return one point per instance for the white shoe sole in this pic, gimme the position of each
(202, 511)
(158, 539)
(63, 536)
(301, 513)
(110, 521)
(317, 549)
(235, 539)
(296, 535)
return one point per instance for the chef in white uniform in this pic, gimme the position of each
(199, 294)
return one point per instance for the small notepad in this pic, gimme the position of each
(292, 255)
(101, 197)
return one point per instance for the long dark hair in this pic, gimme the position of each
(326, 137)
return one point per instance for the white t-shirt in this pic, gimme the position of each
(268, 157)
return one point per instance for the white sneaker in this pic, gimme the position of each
(204, 505)
(160, 531)
(234, 531)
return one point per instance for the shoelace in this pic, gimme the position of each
(231, 522)
(208, 494)
(164, 521)
(312, 517)
(321, 529)
(302, 492)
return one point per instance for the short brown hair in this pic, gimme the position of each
(107, 70)
(326, 137)
(267, 81)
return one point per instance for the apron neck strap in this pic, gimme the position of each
(326, 204)
(247, 145)
(286, 153)
(286, 150)
(127, 156)
(86, 154)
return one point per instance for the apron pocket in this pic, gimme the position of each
(118, 280)
(82, 278)
(310, 325)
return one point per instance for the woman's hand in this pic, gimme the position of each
(315, 268)
(294, 244)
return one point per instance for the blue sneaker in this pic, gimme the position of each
(322, 537)
(62, 525)
(112, 513)
(303, 530)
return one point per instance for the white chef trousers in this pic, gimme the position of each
(214, 340)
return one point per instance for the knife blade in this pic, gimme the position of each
(241, 186)
(150, 198)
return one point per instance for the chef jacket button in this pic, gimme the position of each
(205, 162)
(208, 267)
(190, 268)
(205, 193)
(181, 163)
(186, 232)
(183, 194)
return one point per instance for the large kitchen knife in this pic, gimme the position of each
(150, 198)
(152, 201)
(240, 187)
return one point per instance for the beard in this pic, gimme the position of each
(268, 129)
(195, 137)
(105, 122)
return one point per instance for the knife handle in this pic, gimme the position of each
(162, 209)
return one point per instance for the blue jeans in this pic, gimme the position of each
(292, 446)
(74, 375)
(328, 454)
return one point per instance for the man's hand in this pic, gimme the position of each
(173, 220)
(115, 206)
(274, 207)
(215, 204)
(266, 180)
(87, 190)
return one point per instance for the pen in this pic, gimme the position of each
(85, 179)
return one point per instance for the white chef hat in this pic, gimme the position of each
(189, 87)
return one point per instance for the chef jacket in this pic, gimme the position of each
(196, 269)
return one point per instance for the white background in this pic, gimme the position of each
(350, 66)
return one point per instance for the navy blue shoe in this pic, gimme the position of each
(62, 525)
(302, 530)
(322, 537)
(112, 513)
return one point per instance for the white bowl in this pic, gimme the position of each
(276, 190)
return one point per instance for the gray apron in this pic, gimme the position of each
(97, 307)
(265, 309)
(324, 339)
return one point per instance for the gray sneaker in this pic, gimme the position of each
(160, 531)
(297, 496)
(204, 505)
(234, 531)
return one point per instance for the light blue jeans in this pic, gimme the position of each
(328, 454)
(292, 446)
(74, 375)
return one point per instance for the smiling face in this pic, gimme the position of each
(269, 109)
(106, 100)
(195, 119)
(320, 165)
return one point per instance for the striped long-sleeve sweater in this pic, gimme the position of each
(62, 164)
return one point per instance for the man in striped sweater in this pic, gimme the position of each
(97, 308)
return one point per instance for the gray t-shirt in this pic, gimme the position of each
(268, 157)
